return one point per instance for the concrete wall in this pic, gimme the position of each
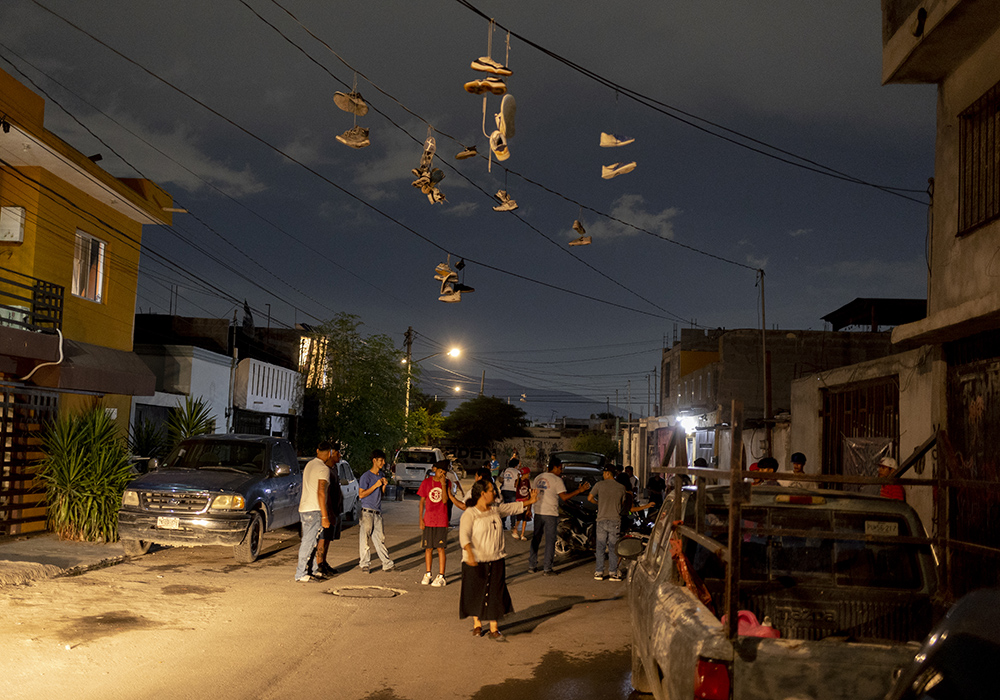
(188, 371)
(921, 376)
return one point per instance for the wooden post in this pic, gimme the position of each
(736, 495)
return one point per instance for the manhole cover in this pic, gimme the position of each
(366, 592)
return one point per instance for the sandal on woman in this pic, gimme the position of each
(497, 635)
(477, 631)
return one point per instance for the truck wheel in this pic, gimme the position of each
(246, 552)
(135, 548)
(639, 681)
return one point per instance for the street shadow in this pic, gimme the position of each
(527, 620)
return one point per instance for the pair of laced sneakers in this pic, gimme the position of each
(584, 239)
(428, 177)
(492, 83)
(353, 103)
(451, 288)
(436, 582)
(507, 203)
(615, 169)
(505, 128)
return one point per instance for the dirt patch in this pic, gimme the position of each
(109, 624)
(191, 590)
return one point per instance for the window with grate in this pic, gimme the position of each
(979, 162)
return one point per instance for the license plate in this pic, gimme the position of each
(164, 523)
(881, 528)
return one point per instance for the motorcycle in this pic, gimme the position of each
(577, 527)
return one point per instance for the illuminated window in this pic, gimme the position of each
(979, 162)
(88, 267)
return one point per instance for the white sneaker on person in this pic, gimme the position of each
(612, 141)
(616, 576)
(439, 581)
(488, 65)
(426, 579)
(598, 576)
(616, 169)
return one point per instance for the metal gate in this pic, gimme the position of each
(973, 426)
(861, 410)
(23, 413)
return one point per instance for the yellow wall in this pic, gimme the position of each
(693, 360)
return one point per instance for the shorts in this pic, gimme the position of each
(434, 537)
(525, 516)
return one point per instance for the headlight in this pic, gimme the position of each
(229, 502)
(130, 498)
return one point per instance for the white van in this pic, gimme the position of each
(413, 463)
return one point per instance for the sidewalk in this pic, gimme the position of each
(32, 557)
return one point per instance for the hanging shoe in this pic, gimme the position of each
(422, 181)
(430, 146)
(443, 272)
(495, 85)
(351, 102)
(451, 297)
(437, 175)
(488, 65)
(578, 227)
(611, 141)
(355, 137)
(498, 144)
(582, 240)
(477, 87)
(505, 117)
(463, 288)
(448, 283)
(436, 196)
(467, 153)
(506, 203)
(616, 169)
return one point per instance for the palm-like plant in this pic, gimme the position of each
(193, 418)
(84, 469)
(148, 439)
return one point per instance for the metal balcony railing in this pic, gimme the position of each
(30, 303)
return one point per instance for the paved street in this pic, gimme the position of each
(187, 623)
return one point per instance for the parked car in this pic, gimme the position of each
(412, 464)
(212, 490)
(956, 660)
(837, 576)
(348, 487)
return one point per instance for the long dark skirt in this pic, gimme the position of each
(484, 591)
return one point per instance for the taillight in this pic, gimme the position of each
(711, 680)
(800, 500)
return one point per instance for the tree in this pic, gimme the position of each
(360, 396)
(485, 420)
(421, 400)
(193, 418)
(425, 428)
(592, 441)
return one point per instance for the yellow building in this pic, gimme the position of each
(69, 260)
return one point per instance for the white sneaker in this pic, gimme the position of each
(582, 240)
(451, 297)
(488, 65)
(443, 272)
(498, 144)
(506, 203)
(439, 581)
(616, 169)
(351, 102)
(505, 117)
(426, 579)
(578, 227)
(355, 137)
(612, 141)
(467, 153)
(598, 576)
(494, 84)
(427, 157)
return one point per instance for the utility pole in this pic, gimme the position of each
(409, 358)
(482, 385)
(766, 367)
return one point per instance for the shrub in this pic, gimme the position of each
(84, 469)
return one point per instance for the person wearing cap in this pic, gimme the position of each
(435, 492)
(799, 467)
(313, 513)
(370, 488)
(609, 495)
(335, 509)
(886, 466)
(551, 490)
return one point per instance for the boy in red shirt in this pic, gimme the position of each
(434, 492)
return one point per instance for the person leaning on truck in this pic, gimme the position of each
(313, 512)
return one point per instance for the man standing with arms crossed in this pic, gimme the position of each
(609, 495)
(313, 512)
(371, 485)
(550, 490)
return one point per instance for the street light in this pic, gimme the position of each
(409, 361)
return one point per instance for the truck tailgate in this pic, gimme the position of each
(776, 669)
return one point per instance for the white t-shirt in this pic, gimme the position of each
(549, 487)
(510, 475)
(315, 472)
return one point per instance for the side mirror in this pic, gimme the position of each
(345, 482)
(629, 547)
(152, 464)
(282, 470)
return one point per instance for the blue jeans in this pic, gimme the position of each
(312, 522)
(545, 525)
(607, 534)
(509, 497)
(371, 525)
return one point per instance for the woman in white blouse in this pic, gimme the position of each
(484, 576)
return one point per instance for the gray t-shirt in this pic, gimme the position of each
(609, 495)
(549, 487)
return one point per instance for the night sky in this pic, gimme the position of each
(281, 214)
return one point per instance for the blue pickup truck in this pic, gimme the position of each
(213, 490)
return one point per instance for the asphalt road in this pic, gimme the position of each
(192, 623)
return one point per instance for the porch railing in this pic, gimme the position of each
(30, 303)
